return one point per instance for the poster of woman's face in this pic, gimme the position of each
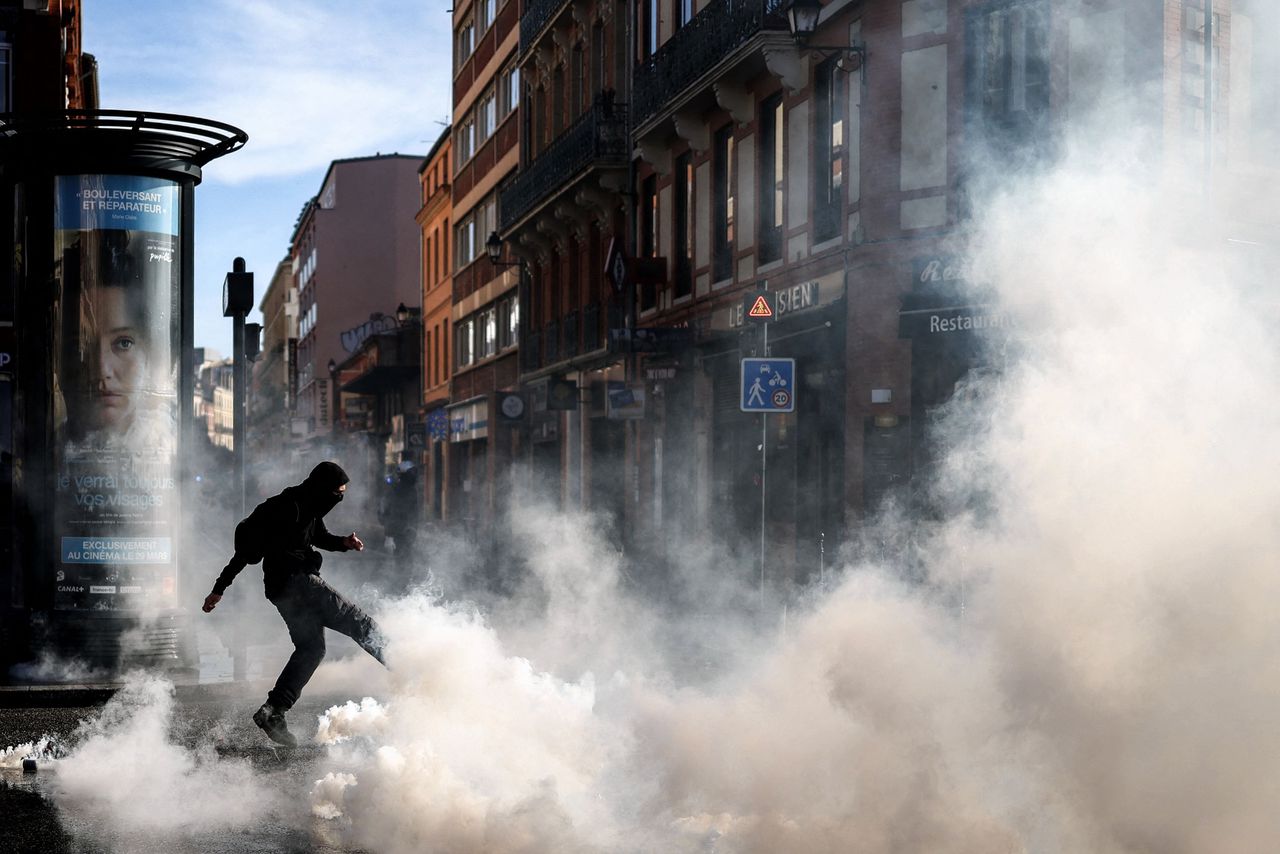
(116, 385)
(118, 360)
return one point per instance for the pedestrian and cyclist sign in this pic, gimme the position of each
(768, 385)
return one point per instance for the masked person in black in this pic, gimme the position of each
(283, 532)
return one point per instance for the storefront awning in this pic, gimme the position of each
(381, 379)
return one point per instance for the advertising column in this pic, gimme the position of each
(115, 387)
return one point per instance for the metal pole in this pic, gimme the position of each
(764, 465)
(237, 405)
(239, 650)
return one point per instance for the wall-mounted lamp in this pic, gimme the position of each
(802, 18)
(493, 246)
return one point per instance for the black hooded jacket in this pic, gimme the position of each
(285, 530)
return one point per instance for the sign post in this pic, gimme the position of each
(768, 385)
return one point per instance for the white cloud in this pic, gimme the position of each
(309, 80)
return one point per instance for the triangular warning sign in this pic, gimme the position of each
(760, 309)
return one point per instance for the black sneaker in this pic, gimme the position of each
(271, 721)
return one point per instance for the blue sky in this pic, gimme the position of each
(310, 81)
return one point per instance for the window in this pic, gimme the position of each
(428, 268)
(649, 39)
(829, 162)
(723, 190)
(486, 11)
(466, 139)
(508, 322)
(508, 92)
(472, 231)
(540, 119)
(598, 50)
(1008, 70)
(427, 349)
(557, 101)
(308, 321)
(772, 158)
(487, 332)
(486, 117)
(648, 235)
(435, 358)
(466, 42)
(577, 97)
(466, 241)
(464, 340)
(684, 224)
(684, 12)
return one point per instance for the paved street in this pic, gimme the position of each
(216, 716)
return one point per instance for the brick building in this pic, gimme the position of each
(435, 218)
(354, 253)
(485, 313)
(274, 387)
(561, 215)
(838, 178)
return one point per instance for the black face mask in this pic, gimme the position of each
(324, 503)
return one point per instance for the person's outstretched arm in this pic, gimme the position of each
(333, 543)
(250, 545)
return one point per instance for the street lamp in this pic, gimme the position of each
(402, 313)
(802, 19)
(493, 246)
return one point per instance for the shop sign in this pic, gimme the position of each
(624, 401)
(377, 325)
(815, 293)
(929, 271)
(468, 421)
(952, 320)
(659, 374)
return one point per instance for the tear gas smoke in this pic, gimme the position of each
(1077, 654)
(125, 771)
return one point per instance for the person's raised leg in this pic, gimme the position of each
(351, 620)
(306, 631)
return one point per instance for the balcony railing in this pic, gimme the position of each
(537, 14)
(571, 335)
(531, 352)
(591, 326)
(551, 344)
(697, 47)
(598, 135)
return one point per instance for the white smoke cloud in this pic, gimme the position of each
(1079, 656)
(126, 772)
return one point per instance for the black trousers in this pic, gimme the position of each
(309, 606)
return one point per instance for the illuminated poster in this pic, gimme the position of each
(115, 376)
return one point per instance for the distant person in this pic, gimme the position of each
(283, 532)
(401, 511)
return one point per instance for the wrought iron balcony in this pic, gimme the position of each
(551, 344)
(591, 326)
(597, 137)
(571, 335)
(537, 14)
(531, 352)
(699, 46)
